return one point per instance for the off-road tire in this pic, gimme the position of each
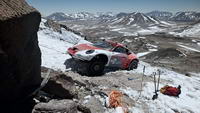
(95, 68)
(133, 65)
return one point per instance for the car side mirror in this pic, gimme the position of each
(128, 52)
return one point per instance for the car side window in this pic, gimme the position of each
(120, 50)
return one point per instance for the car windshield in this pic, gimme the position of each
(103, 44)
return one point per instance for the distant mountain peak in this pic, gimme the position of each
(134, 18)
(161, 15)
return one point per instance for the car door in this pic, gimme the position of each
(119, 57)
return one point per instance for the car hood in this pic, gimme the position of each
(81, 47)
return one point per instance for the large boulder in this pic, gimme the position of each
(20, 56)
(61, 86)
(56, 106)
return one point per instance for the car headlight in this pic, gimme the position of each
(89, 51)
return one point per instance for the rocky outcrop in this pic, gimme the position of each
(56, 106)
(61, 86)
(20, 56)
(57, 27)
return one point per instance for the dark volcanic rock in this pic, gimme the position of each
(56, 106)
(20, 56)
(164, 53)
(55, 26)
(95, 105)
(61, 86)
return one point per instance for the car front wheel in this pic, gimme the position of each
(96, 68)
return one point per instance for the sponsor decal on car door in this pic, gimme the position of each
(118, 60)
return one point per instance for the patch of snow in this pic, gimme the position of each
(155, 28)
(194, 41)
(87, 98)
(145, 32)
(191, 32)
(118, 29)
(135, 25)
(119, 110)
(128, 33)
(150, 45)
(145, 18)
(142, 54)
(189, 48)
(117, 20)
(153, 49)
(130, 21)
(150, 30)
(42, 23)
(166, 23)
(142, 37)
(154, 20)
(128, 40)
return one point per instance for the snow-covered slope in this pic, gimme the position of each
(54, 46)
(193, 31)
(188, 101)
(186, 16)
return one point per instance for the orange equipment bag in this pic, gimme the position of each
(171, 91)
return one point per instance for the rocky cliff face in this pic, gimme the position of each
(20, 56)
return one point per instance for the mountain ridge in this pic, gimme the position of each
(187, 16)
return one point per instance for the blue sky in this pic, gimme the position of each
(47, 7)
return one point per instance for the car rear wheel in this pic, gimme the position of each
(133, 65)
(96, 68)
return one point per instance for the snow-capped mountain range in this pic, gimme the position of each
(186, 16)
(59, 16)
(82, 15)
(159, 15)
